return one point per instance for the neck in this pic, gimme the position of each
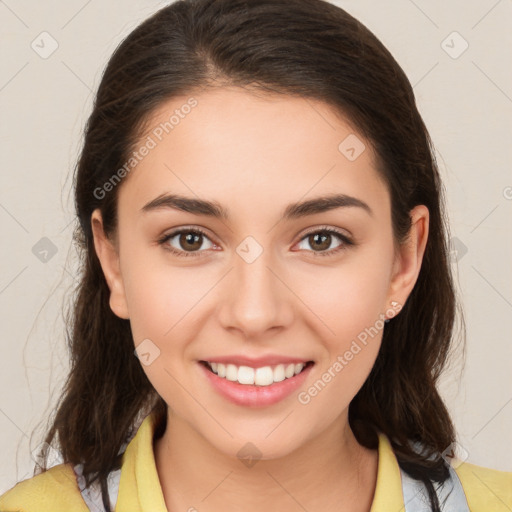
(332, 472)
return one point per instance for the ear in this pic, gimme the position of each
(108, 254)
(409, 257)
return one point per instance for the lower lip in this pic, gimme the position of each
(255, 396)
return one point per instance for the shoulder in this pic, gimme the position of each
(55, 490)
(485, 488)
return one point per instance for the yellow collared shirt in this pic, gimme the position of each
(56, 490)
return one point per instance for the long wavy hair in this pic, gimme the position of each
(307, 48)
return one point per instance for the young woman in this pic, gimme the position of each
(266, 301)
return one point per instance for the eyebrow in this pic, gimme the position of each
(292, 211)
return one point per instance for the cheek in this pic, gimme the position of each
(351, 307)
(161, 302)
(160, 297)
(348, 298)
(348, 303)
(164, 302)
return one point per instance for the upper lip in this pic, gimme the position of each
(256, 362)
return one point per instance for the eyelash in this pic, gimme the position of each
(346, 241)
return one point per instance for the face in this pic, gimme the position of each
(267, 280)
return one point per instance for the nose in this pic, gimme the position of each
(256, 298)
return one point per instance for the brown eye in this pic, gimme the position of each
(185, 242)
(190, 241)
(321, 241)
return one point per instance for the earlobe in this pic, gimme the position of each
(408, 262)
(108, 256)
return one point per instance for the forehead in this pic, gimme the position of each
(250, 151)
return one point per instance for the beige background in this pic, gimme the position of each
(465, 99)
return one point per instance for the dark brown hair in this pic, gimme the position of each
(306, 48)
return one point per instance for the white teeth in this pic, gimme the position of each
(290, 370)
(231, 372)
(264, 376)
(245, 375)
(278, 373)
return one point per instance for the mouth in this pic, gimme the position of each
(262, 376)
(258, 387)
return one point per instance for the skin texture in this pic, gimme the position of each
(255, 154)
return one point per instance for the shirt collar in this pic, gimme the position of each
(139, 487)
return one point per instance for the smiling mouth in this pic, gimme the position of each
(263, 376)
